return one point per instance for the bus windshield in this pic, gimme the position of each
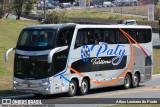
(37, 38)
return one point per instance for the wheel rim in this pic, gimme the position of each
(72, 88)
(135, 80)
(84, 86)
(127, 82)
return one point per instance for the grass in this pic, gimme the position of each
(9, 32)
(137, 105)
(156, 59)
(97, 14)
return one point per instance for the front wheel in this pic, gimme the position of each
(84, 87)
(127, 81)
(135, 82)
(72, 88)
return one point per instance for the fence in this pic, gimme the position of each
(139, 11)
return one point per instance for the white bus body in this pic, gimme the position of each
(58, 58)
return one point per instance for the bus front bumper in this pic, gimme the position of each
(33, 90)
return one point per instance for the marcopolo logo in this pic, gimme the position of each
(119, 52)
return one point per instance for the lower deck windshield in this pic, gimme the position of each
(32, 67)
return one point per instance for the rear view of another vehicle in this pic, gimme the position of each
(130, 22)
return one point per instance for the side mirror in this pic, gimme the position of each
(7, 53)
(55, 50)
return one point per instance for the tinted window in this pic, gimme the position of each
(64, 37)
(111, 36)
(37, 38)
(89, 36)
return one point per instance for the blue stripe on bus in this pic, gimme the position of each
(65, 78)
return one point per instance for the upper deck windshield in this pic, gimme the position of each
(33, 39)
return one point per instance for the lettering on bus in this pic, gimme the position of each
(30, 53)
(96, 61)
(119, 52)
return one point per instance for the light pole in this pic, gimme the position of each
(44, 9)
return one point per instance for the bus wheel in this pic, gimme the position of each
(135, 82)
(127, 81)
(72, 88)
(84, 87)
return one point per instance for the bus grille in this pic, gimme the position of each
(29, 85)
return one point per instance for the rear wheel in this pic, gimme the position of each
(84, 87)
(127, 81)
(72, 88)
(135, 82)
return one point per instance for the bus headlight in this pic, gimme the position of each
(15, 82)
(45, 82)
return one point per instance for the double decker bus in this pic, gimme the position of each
(67, 58)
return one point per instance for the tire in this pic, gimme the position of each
(135, 81)
(72, 88)
(84, 87)
(127, 81)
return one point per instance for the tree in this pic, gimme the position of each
(8, 7)
(20, 6)
(28, 6)
(1, 8)
(56, 17)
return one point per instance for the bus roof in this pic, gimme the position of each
(114, 26)
(59, 26)
(51, 26)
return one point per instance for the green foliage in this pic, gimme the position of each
(1, 8)
(20, 6)
(157, 13)
(57, 17)
(28, 6)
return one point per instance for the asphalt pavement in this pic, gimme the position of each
(149, 89)
(156, 39)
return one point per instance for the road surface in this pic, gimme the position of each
(13, 17)
(156, 39)
(149, 89)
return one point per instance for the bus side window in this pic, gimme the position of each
(69, 35)
(90, 37)
(147, 35)
(81, 39)
(99, 37)
(106, 36)
(140, 37)
(120, 38)
(133, 34)
(61, 41)
(112, 37)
